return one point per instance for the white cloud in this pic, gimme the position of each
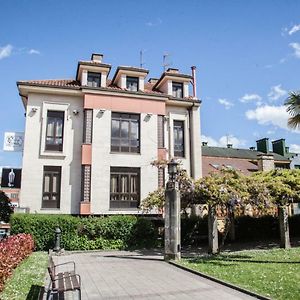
(223, 140)
(295, 148)
(276, 92)
(296, 47)
(251, 98)
(294, 29)
(227, 104)
(34, 51)
(154, 23)
(270, 115)
(270, 132)
(5, 51)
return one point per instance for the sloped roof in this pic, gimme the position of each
(75, 84)
(238, 153)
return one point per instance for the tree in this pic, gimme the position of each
(293, 108)
(5, 208)
(225, 192)
(282, 189)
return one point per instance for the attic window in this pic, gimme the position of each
(94, 79)
(132, 83)
(177, 89)
(230, 167)
(216, 166)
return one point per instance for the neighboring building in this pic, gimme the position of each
(280, 148)
(244, 160)
(90, 141)
(10, 184)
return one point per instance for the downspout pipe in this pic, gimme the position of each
(194, 81)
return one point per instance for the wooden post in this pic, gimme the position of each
(284, 227)
(213, 245)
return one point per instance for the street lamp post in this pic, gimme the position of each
(172, 214)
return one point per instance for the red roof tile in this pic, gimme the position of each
(71, 83)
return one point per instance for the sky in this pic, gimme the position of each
(247, 55)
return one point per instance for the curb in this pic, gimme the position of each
(230, 285)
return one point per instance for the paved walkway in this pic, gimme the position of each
(135, 275)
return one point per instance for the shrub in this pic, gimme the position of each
(113, 232)
(12, 251)
(5, 208)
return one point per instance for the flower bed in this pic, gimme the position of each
(12, 251)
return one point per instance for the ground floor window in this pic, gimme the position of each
(51, 187)
(124, 187)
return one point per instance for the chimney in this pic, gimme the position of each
(173, 70)
(262, 145)
(287, 150)
(194, 81)
(152, 80)
(229, 145)
(265, 162)
(252, 148)
(204, 143)
(97, 58)
(279, 147)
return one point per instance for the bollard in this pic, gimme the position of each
(57, 239)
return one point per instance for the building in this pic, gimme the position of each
(10, 184)
(90, 141)
(246, 161)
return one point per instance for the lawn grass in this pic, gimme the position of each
(273, 273)
(27, 278)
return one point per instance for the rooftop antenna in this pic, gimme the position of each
(165, 63)
(227, 138)
(141, 58)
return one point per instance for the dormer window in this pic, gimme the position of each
(132, 83)
(94, 79)
(177, 89)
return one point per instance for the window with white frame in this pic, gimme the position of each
(132, 83)
(94, 79)
(125, 132)
(54, 130)
(177, 89)
(178, 138)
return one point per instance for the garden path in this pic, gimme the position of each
(141, 275)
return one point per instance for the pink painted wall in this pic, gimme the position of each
(124, 104)
(86, 158)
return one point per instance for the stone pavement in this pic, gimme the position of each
(136, 275)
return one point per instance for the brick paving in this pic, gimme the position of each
(136, 275)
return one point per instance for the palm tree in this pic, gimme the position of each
(293, 108)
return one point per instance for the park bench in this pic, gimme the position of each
(64, 280)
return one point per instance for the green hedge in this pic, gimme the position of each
(113, 232)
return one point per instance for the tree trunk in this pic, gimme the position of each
(213, 246)
(232, 227)
(284, 227)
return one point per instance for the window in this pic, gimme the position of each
(124, 187)
(177, 89)
(94, 79)
(51, 187)
(132, 83)
(160, 131)
(54, 131)
(125, 133)
(179, 138)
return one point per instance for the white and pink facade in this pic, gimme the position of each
(90, 142)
